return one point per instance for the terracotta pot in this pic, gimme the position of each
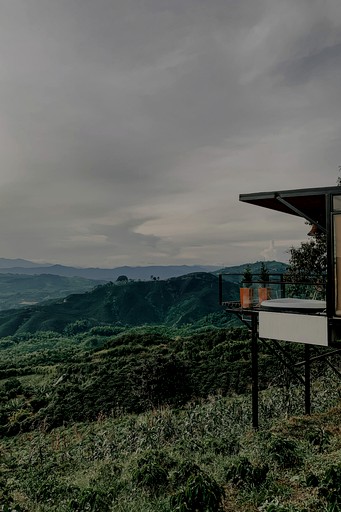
(264, 294)
(246, 296)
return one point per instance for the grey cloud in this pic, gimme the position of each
(326, 60)
(128, 129)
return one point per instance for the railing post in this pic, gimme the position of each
(220, 289)
(282, 286)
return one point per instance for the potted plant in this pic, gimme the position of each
(246, 292)
(264, 290)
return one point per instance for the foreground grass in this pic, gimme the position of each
(142, 463)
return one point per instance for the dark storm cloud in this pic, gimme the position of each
(128, 129)
(326, 60)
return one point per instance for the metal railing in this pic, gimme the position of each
(278, 286)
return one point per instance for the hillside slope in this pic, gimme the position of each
(176, 301)
(17, 290)
(147, 419)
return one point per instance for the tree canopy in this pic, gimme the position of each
(308, 264)
(309, 261)
(122, 279)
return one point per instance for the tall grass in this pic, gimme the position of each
(131, 463)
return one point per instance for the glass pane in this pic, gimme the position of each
(337, 203)
(337, 255)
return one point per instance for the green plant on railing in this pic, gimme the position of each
(264, 275)
(247, 277)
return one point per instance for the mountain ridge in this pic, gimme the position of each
(175, 301)
(21, 263)
(110, 274)
(131, 272)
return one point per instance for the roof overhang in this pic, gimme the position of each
(309, 203)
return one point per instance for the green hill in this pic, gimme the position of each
(154, 419)
(18, 290)
(176, 301)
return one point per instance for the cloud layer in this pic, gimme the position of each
(128, 129)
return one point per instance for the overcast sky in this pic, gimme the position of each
(128, 128)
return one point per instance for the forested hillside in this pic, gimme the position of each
(175, 302)
(158, 420)
(18, 290)
(100, 413)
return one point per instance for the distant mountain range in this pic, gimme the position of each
(145, 297)
(20, 263)
(18, 266)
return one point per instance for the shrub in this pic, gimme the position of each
(329, 486)
(151, 471)
(183, 472)
(199, 491)
(105, 330)
(319, 437)
(79, 326)
(223, 446)
(243, 473)
(108, 479)
(13, 387)
(92, 500)
(284, 451)
(7, 503)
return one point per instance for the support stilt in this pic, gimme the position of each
(254, 351)
(307, 380)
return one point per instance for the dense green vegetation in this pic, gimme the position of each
(18, 290)
(175, 302)
(158, 419)
(101, 413)
(102, 370)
